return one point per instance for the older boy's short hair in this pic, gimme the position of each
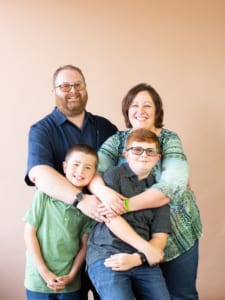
(143, 135)
(87, 149)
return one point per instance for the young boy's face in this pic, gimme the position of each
(141, 164)
(80, 168)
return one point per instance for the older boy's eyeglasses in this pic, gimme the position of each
(66, 87)
(140, 150)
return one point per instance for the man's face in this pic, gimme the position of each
(73, 102)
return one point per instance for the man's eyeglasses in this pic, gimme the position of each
(66, 87)
(140, 150)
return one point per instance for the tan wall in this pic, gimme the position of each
(178, 46)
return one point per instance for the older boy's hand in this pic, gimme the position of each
(154, 255)
(123, 261)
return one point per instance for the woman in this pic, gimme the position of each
(142, 108)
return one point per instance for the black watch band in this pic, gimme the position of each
(143, 258)
(77, 199)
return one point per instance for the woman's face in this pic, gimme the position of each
(141, 112)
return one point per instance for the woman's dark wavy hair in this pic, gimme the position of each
(128, 99)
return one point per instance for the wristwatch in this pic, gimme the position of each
(77, 199)
(142, 257)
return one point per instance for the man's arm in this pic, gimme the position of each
(52, 183)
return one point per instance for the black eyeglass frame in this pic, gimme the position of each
(139, 151)
(66, 86)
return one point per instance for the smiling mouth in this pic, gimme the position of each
(78, 177)
(141, 118)
(73, 100)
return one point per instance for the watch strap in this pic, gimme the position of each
(142, 257)
(77, 199)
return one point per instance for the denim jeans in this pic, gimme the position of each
(53, 296)
(146, 283)
(181, 274)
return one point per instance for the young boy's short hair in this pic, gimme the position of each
(87, 149)
(143, 135)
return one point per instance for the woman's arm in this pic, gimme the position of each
(149, 199)
(172, 174)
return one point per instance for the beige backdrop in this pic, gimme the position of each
(178, 46)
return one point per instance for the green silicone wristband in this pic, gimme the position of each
(127, 205)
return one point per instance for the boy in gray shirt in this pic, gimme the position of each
(144, 281)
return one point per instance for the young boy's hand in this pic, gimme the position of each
(65, 279)
(53, 282)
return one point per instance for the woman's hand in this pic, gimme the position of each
(123, 261)
(112, 202)
(89, 206)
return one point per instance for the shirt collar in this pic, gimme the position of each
(60, 118)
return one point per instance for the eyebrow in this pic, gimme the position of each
(85, 164)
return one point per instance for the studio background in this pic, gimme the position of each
(177, 46)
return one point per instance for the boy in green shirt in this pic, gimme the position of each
(56, 234)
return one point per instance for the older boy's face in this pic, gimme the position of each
(80, 169)
(141, 164)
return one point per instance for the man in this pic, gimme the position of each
(50, 138)
(68, 124)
